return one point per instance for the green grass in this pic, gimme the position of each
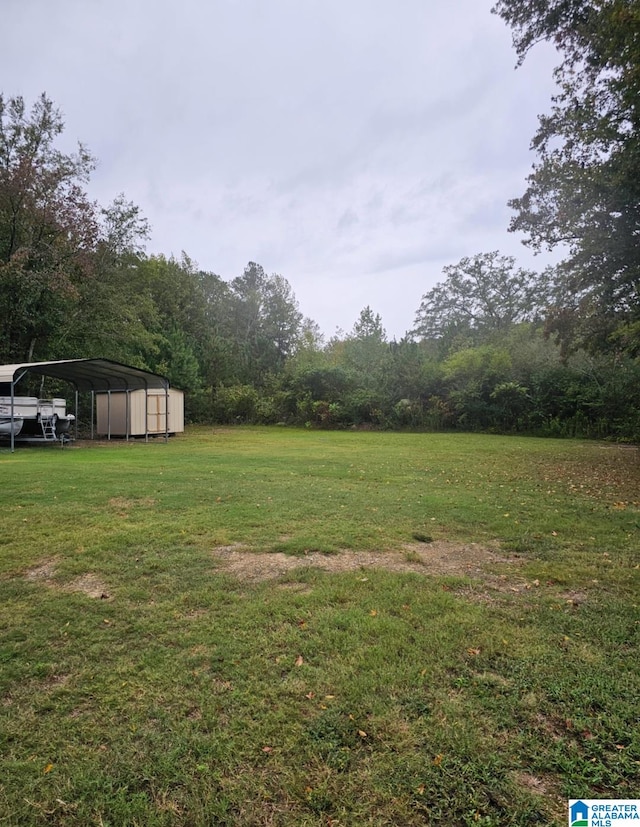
(186, 696)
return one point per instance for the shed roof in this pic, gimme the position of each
(87, 374)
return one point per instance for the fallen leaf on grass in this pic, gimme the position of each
(299, 660)
(267, 749)
(473, 651)
(437, 760)
(48, 768)
(362, 733)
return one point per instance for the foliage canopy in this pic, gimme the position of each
(584, 191)
(75, 281)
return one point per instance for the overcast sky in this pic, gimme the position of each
(355, 147)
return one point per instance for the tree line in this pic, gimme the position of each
(494, 347)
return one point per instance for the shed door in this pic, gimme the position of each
(156, 413)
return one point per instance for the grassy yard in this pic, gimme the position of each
(282, 627)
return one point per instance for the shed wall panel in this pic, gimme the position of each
(127, 412)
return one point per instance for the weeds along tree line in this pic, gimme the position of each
(494, 347)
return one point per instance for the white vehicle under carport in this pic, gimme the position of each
(36, 418)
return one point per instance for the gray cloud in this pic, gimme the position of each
(355, 148)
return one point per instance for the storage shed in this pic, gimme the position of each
(136, 413)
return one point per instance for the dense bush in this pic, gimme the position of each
(477, 391)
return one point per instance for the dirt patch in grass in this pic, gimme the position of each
(533, 783)
(437, 558)
(574, 598)
(44, 571)
(554, 727)
(492, 587)
(88, 584)
(545, 787)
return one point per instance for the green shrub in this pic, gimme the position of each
(236, 404)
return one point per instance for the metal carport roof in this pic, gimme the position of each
(87, 374)
(95, 375)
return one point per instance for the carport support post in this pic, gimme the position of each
(109, 414)
(127, 413)
(166, 413)
(146, 413)
(93, 410)
(13, 439)
(76, 428)
(13, 394)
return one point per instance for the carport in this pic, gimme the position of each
(87, 375)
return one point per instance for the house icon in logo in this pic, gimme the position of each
(579, 814)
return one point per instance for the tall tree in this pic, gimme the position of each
(264, 320)
(366, 359)
(584, 191)
(216, 348)
(48, 227)
(480, 296)
(368, 327)
(365, 351)
(115, 315)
